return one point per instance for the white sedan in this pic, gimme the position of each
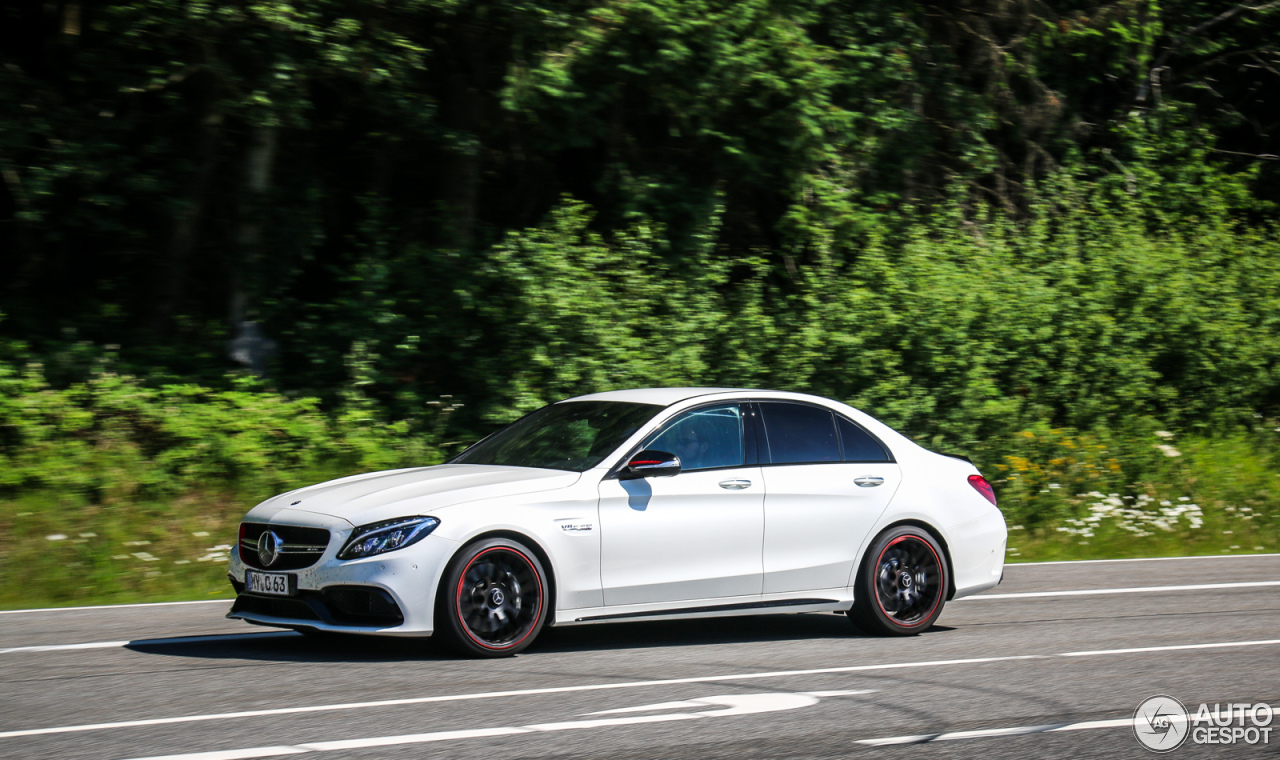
(644, 504)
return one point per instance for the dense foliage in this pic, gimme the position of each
(1036, 232)
(360, 175)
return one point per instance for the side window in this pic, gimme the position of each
(704, 438)
(796, 433)
(858, 444)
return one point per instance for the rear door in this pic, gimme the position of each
(826, 482)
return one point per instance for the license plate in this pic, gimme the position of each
(272, 584)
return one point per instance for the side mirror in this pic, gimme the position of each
(650, 464)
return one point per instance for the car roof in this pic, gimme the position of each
(662, 396)
(899, 444)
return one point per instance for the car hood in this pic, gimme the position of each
(376, 496)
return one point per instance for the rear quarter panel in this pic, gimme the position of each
(935, 491)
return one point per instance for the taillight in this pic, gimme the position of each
(981, 485)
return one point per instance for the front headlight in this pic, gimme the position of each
(389, 535)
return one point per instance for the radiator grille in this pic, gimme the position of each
(301, 548)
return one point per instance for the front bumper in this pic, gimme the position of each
(390, 594)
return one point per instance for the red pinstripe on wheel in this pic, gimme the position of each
(937, 597)
(457, 598)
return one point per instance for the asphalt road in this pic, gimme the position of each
(176, 679)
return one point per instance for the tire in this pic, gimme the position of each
(493, 599)
(902, 584)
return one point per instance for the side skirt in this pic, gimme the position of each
(603, 615)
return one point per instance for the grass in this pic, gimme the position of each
(1090, 498)
(1066, 496)
(63, 550)
(1225, 536)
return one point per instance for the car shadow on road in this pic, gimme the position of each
(684, 633)
(284, 646)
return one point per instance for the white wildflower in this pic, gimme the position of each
(56, 537)
(1164, 434)
(1168, 450)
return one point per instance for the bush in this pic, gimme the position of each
(112, 438)
(960, 330)
(1054, 351)
(113, 490)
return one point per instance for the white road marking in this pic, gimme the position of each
(113, 606)
(1133, 590)
(728, 705)
(1173, 648)
(604, 722)
(609, 686)
(702, 703)
(1007, 564)
(150, 642)
(994, 732)
(1136, 559)
(498, 694)
(988, 733)
(66, 647)
(648, 708)
(236, 754)
(979, 597)
(384, 741)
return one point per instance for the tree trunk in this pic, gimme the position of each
(259, 160)
(186, 227)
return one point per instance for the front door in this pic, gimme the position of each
(697, 535)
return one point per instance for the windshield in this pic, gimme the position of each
(574, 435)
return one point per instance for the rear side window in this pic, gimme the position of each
(795, 433)
(858, 444)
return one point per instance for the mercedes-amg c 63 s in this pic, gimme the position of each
(629, 505)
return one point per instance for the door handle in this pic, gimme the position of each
(735, 485)
(869, 481)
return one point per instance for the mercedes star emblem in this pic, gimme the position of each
(269, 548)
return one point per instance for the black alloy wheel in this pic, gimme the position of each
(493, 600)
(902, 585)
